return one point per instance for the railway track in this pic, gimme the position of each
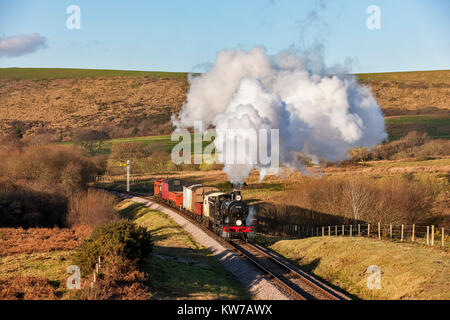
(298, 284)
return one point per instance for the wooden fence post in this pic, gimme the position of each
(379, 231)
(359, 230)
(413, 232)
(402, 232)
(323, 231)
(335, 230)
(343, 232)
(443, 238)
(428, 235)
(432, 235)
(368, 230)
(329, 231)
(390, 230)
(350, 230)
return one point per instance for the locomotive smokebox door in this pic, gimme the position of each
(236, 195)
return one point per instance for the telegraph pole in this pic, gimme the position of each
(128, 175)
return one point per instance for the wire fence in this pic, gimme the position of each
(430, 235)
(427, 234)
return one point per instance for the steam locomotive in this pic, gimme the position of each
(223, 213)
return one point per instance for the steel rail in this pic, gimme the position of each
(303, 276)
(293, 292)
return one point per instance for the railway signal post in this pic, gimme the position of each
(127, 165)
(128, 175)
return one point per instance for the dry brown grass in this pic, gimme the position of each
(18, 240)
(143, 105)
(121, 281)
(60, 105)
(26, 288)
(411, 97)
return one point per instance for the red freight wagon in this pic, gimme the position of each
(198, 208)
(176, 198)
(157, 187)
(171, 185)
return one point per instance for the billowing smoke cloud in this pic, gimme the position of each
(318, 114)
(16, 46)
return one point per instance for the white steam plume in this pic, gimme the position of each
(318, 115)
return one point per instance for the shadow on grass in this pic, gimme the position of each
(132, 211)
(161, 237)
(186, 273)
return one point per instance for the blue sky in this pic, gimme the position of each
(180, 35)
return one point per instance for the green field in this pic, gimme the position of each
(436, 126)
(162, 142)
(154, 143)
(61, 73)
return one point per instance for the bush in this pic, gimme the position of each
(122, 281)
(91, 140)
(129, 150)
(434, 148)
(118, 242)
(358, 154)
(398, 200)
(91, 208)
(65, 167)
(36, 183)
(29, 207)
(407, 147)
(157, 163)
(10, 143)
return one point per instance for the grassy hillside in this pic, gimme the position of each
(126, 106)
(410, 93)
(433, 76)
(408, 271)
(64, 73)
(140, 103)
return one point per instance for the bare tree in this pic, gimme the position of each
(91, 140)
(359, 196)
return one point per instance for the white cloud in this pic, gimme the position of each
(19, 45)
